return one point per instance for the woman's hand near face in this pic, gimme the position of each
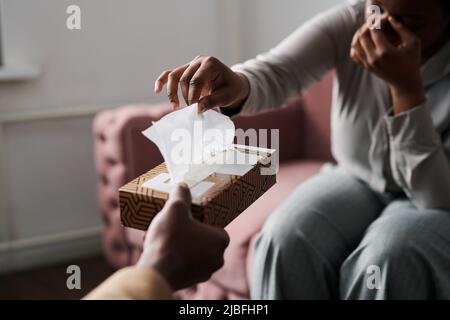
(206, 81)
(399, 65)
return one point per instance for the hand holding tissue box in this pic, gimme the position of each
(224, 178)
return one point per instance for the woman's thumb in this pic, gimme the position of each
(218, 99)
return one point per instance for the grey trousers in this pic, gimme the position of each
(335, 238)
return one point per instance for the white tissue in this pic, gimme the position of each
(188, 141)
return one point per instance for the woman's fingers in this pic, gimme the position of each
(161, 81)
(206, 81)
(408, 38)
(193, 78)
(202, 79)
(218, 99)
(367, 44)
(380, 40)
(186, 78)
(357, 52)
(172, 85)
(355, 57)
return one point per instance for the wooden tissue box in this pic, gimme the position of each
(226, 198)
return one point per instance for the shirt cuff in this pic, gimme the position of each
(251, 104)
(412, 128)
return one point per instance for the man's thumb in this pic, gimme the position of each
(181, 193)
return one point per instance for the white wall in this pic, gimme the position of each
(122, 47)
(269, 21)
(47, 178)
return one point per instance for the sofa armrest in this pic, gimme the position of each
(121, 153)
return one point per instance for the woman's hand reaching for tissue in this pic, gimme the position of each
(206, 81)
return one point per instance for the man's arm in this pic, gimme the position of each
(133, 283)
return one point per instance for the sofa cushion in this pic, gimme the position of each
(230, 282)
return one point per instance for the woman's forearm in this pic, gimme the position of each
(300, 60)
(407, 96)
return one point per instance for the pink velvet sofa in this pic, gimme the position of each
(122, 153)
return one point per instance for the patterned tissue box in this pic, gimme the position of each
(217, 200)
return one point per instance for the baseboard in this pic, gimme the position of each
(52, 249)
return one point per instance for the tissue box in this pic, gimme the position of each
(217, 200)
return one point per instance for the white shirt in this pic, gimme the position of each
(408, 152)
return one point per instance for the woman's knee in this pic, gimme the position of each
(286, 250)
(304, 233)
(387, 240)
(281, 231)
(393, 251)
